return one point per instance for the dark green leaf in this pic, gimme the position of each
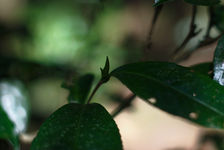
(203, 68)
(78, 127)
(219, 62)
(177, 90)
(80, 89)
(105, 71)
(217, 16)
(203, 2)
(7, 130)
(14, 110)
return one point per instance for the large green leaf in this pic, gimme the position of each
(177, 90)
(78, 127)
(219, 62)
(203, 2)
(80, 89)
(203, 68)
(14, 110)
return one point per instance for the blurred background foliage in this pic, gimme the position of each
(43, 43)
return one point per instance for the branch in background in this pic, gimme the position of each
(191, 34)
(205, 42)
(148, 45)
(125, 104)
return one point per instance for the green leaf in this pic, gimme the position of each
(7, 130)
(176, 90)
(14, 110)
(217, 16)
(80, 89)
(105, 71)
(219, 62)
(203, 68)
(203, 2)
(78, 127)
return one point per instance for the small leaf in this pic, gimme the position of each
(177, 90)
(80, 89)
(203, 2)
(78, 127)
(217, 16)
(105, 71)
(14, 109)
(203, 68)
(219, 62)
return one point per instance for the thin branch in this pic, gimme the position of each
(94, 91)
(126, 103)
(191, 34)
(148, 45)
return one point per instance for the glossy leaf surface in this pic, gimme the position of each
(80, 89)
(14, 110)
(7, 130)
(203, 2)
(219, 62)
(203, 68)
(177, 90)
(78, 127)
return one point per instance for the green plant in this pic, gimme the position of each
(193, 93)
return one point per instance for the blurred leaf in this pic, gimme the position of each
(78, 127)
(219, 62)
(217, 13)
(80, 89)
(203, 2)
(7, 130)
(203, 68)
(177, 90)
(14, 109)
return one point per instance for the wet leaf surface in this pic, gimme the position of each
(176, 90)
(219, 62)
(78, 127)
(14, 110)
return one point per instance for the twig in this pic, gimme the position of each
(191, 34)
(125, 104)
(148, 45)
(94, 91)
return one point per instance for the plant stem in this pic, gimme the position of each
(94, 91)
(192, 33)
(125, 104)
(148, 45)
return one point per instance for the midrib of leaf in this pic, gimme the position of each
(177, 90)
(79, 123)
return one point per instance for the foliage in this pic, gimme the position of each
(194, 93)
